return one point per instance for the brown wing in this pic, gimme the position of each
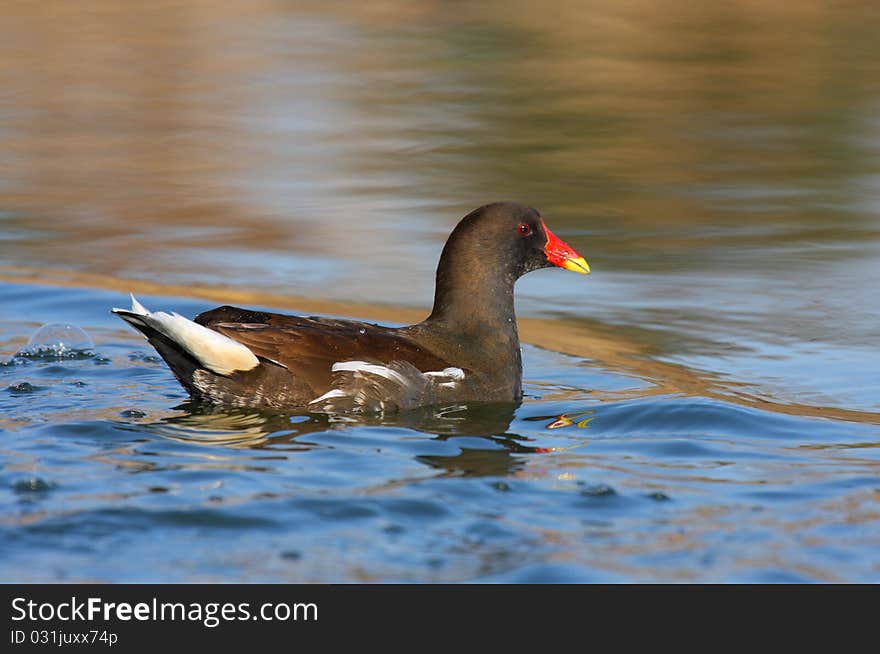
(308, 347)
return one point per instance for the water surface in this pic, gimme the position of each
(719, 167)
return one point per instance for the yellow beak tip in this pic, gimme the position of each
(578, 265)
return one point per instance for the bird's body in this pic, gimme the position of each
(467, 350)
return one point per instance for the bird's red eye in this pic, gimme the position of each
(524, 229)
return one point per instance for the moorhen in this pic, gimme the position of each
(467, 350)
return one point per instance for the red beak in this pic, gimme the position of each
(561, 254)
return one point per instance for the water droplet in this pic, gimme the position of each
(143, 356)
(598, 490)
(393, 529)
(33, 485)
(23, 387)
(291, 555)
(59, 341)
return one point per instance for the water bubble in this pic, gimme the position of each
(59, 341)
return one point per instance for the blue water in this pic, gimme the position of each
(704, 406)
(108, 474)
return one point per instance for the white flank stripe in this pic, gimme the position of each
(329, 394)
(455, 374)
(213, 350)
(370, 368)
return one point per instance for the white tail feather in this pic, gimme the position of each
(216, 352)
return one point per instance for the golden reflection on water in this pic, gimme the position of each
(615, 349)
(132, 129)
(151, 148)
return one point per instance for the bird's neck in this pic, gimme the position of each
(474, 304)
(473, 324)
